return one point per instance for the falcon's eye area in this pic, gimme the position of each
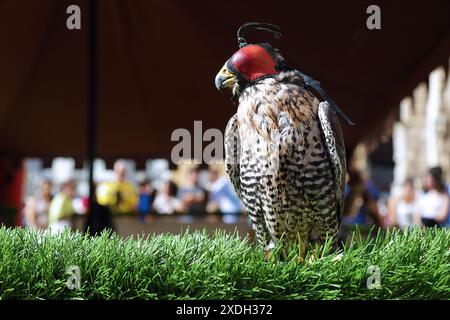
(252, 62)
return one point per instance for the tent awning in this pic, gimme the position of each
(157, 61)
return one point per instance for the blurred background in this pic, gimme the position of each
(87, 115)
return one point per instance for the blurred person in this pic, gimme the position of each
(61, 208)
(433, 205)
(120, 195)
(223, 199)
(361, 196)
(447, 223)
(37, 206)
(166, 201)
(212, 206)
(403, 207)
(12, 178)
(192, 195)
(146, 197)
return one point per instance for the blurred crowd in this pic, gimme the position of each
(422, 203)
(214, 199)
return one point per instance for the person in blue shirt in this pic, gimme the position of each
(223, 199)
(447, 223)
(192, 195)
(146, 196)
(361, 197)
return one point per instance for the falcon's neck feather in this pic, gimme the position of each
(275, 102)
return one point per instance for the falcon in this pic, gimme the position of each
(284, 150)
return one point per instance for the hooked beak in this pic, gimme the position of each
(225, 79)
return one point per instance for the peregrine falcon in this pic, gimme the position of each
(284, 149)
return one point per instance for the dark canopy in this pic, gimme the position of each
(157, 61)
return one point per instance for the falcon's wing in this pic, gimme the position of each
(232, 153)
(310, 83)
(334, 142)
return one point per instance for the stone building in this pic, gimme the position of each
(421, 136)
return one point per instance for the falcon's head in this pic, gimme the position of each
(251, 61)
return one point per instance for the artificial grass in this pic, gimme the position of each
(33, 265)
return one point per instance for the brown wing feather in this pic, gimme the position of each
(334, 142)
(232, 153)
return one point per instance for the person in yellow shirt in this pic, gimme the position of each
(61, 209)
(120, 195)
